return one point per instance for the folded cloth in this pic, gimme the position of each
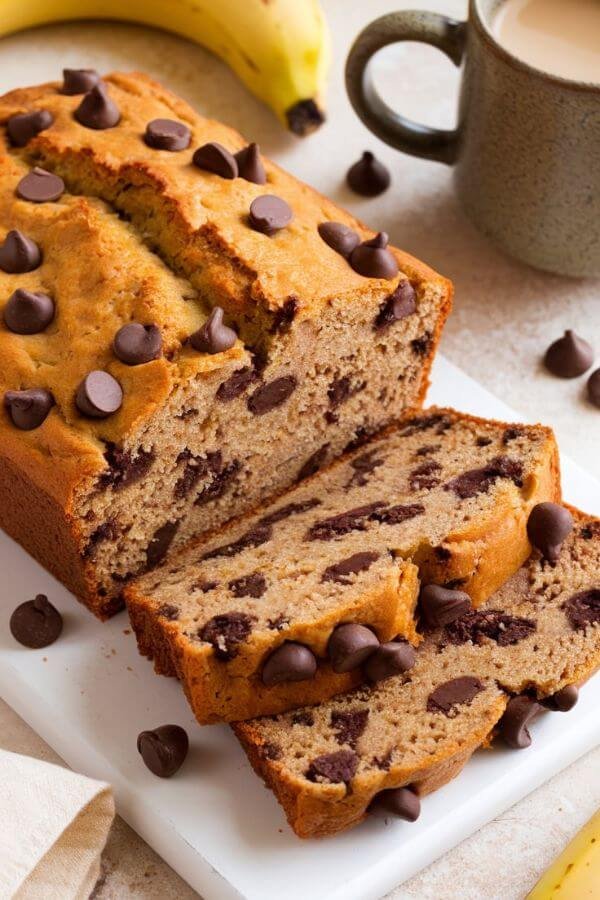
(53, 828)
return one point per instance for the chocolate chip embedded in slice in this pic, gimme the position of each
(19, 254)
(28, 409)
(252, 585)
(593, 388)
(97, 110)
(290, 662)
(547, 527)
(519, 712)
(335, 767)
(225, 632)
(350, 646)
(269, 214)
(36, 623)
(456, 692)
(563, 700)
(349, 724)
(214, 336)
(22, 127)
(79, 81)
(479, 626)
(401, 802)
(135, 344)
(99, 395)
(439, 606)
(368, 177)
(397, 306)
(160, 543)
(479, 481)
(425, 476)
(372, 259)
(343, 523)
(569, 356)
(250, 165)
(339, 237)
(215, 158)
(583, 609)
(28, 313)
(271, 395)
(352, 565)
(163, 749)
(236, 385)
(391, 658)
(314, 462)
(40, 186)
(167, 134)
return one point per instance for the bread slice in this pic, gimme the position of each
(444, 496)
(537, 634)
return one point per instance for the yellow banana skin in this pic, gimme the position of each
(280, 49)
(575, 875)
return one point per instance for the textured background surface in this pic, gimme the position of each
(505, 316)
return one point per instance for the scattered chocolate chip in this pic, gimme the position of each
(569, 356)
(352, 565)
(401, 802)
(395, 515)
(23, 127)
(79, 81)
(135, 344)
(439, 421)
(335, 767)
(290, 509)
(391, 658)
(368, 177)
(225, 632)
(125, 468)
(511, 434)
(160, 543)
(99, 395)
(257, 535)
(583, 609)
(36, 623)
(28, 313)
(168, 611)
(269, 214)
(479, 481)
(383, 762)
(213, 157)
(236, 385)
(397, 306)
(19, 254)
(303, 718)
(167, 134)
(39, 186)
(422, 345)
(304, 117)
(350, 646)
(269, 750)
(222, 480)
(373, 260)
(339, 237)
(214, 336)
(425, 476)
(453, 693)
(284, 316)
(250, 166)
(107, 531)
(364, 466)
(252, 585)
(339, 390)
(563, 700)
(163, 749)
(480, 625)
(349, 725)
(271, 395)
(278, 623)
(519, 712)
(290, 662)
(28, 409)
(97, 110)
(593, 388)
(483, 441)
(314, 462)
(547, 527)
(440, 606)
(343, 523)
(205, 586)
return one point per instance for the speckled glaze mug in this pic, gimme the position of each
(526, 152)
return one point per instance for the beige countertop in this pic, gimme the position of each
(505, 315)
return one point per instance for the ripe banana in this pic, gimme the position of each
(575, 875)
(279, 48)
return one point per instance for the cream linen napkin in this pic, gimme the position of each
(53, 828)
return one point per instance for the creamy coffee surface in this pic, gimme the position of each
(558, 36)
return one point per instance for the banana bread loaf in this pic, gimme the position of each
(482, 673)
(214, 332)
(249, 620)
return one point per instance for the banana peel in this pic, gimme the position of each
(575, 875)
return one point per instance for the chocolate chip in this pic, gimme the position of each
(583, 609)
(439, 421)
(339, 237)
(284, 316)
(395, 515)
(19, 254)
(28, 409)
(422, 345)
(563, 700)
(278, 623)
(364, 465)
(269, 750)
(483, 441)
(24, 126)
(135, 344)
(303, 718)
(425, 476)
(79, 81)
(97, 110)
(453, 693)
(290, 509)
(479, 481)
(352, 565)
(290, 662)
(257, 535)
(339, 390)
(214, 336)
(28, 313)
(511, 434)
(390, 659)
(479, 626)
(350, 646)
(160, 543)
(349, 725)
(440, 606)
(373, 260)
(225, 632)
(253, 585)
(36, 623)
(163, 749)
(547, 527)
(193, 471)
(99, 395)
(569, 356)
(593, 388)
(401, 802)
(343, 523)
(250, 166)
(205, 586)
(384, 761)
(107, 531)
(314, 462)
(168, 611)
(335, 767)
(236, 385)
(271, 395)
(368, 177)
(124, 466)
(397, 306)
(167, 134)
(39, 186)
(213, 157)
(269, 214)
(519, 712)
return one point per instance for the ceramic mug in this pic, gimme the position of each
(526, 152)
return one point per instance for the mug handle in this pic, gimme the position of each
(448, 35)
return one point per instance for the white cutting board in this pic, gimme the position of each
(90, 694)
